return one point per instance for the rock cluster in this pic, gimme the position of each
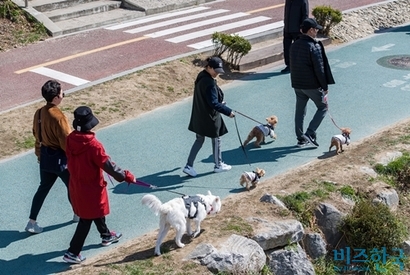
(283, 246)
(363, 22)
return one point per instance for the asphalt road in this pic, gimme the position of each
(367, 97)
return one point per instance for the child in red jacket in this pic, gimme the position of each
(86, 161)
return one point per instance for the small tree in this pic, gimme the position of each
(327, 17)
(234, 46)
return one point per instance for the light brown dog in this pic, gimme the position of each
(249, 179)
(339, 140)
(261, 131)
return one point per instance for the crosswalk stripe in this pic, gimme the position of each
(196, 25)
(210, 31)
(174, 21)
(60, 76)
(155, 18)
(245, 33)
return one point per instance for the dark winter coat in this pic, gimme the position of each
(86, 161)
(295, 12)
(207, 106)
(309, 66)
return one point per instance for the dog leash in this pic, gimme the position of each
(240, 140)
(144, 184)
(248, 117)
(327, 106)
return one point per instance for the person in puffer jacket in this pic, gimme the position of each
(86, 161)
(310, 76)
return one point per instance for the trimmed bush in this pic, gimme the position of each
(327, 17)
(234, 46)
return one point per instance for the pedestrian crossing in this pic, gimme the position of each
(197, 23)
(192, 28)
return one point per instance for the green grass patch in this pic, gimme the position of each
(238, 225)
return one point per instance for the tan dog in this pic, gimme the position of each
(249, 179)
(339, 140)
(261, 131)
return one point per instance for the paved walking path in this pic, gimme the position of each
(154, 146)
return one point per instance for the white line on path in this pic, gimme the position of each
(60, 76)
(209, 31)
(197, 24)
(155, 18)
(174, 21)
(245, 33)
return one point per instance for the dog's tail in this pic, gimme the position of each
(152, 202)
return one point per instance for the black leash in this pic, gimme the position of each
(240, 140)
(247, 117)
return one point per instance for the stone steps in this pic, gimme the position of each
(62, 17)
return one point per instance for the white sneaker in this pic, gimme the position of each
(33, 228)
(189, 171)
(76, 218)
(222, 168)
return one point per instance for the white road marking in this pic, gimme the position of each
(196, 25)
(60, 76)
(245, 33)
(174, 21)
(382, 48)
(210, 31)
(155, 18)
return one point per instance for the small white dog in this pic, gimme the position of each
(175, 213)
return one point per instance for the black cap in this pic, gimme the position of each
(84, 120)
(310, 23)
(216, 64)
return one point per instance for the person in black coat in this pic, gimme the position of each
(295, 12)
(310, 76)
(206, 119)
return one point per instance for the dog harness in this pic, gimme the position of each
(344, 138)
(253, 176)
(267, 129)
(189, 200)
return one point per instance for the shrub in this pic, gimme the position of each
(327, 17)
(234, 46)
(398, 171)
(373, 225)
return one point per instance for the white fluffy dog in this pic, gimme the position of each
(175, 213)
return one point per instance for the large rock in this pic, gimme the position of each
(314, 245)
(328, 219)
(270, 235)
(238, 255)
(290, 261)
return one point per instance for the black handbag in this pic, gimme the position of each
(51, 160)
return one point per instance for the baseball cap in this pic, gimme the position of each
(216, 64)
(310, 23)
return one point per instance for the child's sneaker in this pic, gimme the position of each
(73, 259)
(113, 238)
(33, 228)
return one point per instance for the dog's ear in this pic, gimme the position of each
(209, 193)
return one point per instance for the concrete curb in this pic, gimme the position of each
(154, 6)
